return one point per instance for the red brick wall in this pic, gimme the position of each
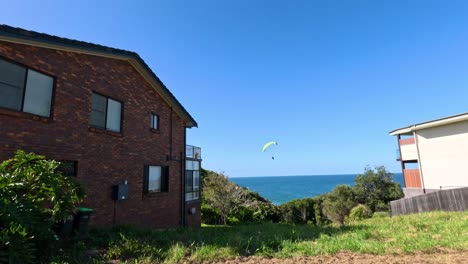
(103, 159)
(193, 219)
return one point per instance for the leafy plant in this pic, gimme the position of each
(376, 188)
(33, 197)
(299, 211)
(224, 202)
(339, 203)
(360, 212)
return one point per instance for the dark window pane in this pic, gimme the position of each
(67, 168)
(188, 181)
(98, 110)
(11, 74)
(10, 97)
(11, 85)
(196, 180)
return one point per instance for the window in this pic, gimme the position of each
(25, 90)
(156, 179)
(192, 180)
(154, 121)
(105, 113)
(67, 167)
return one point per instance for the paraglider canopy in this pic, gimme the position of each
(267, 145)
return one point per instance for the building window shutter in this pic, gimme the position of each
(145, 179)
(165, 179)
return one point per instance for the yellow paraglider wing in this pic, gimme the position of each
(268, 145)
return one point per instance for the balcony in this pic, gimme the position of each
(412, 178)
(192, 152)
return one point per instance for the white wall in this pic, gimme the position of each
(444, 155)
(409, 152)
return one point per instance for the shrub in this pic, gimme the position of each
(339, 203)
(360, 212)
(376, 188)
(320, 217)
(224, 202)
(33, 197)
(299, 211)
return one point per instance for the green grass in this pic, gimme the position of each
(428, 232)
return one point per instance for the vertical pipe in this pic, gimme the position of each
(401, 160)
(182, 188)
(416, 141)
(170, 135)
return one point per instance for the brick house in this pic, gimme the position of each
(108, 118)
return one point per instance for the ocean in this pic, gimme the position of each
(281, 189)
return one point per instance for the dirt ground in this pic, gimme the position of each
(345, 257)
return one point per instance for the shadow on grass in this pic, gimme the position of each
(127, 242)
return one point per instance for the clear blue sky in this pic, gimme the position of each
(327, 79)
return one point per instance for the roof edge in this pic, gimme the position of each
(429, 124)
(27, 37)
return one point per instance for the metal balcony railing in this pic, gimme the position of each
(192, 152)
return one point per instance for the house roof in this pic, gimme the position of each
(428, 124)
(22, 36)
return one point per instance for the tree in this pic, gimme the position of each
(33, 197)
(339, 203)
(299, 211)
(222, 195)
(360, 212)
(376, 188)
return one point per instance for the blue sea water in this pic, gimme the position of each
(281, 189)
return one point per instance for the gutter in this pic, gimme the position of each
(440, 122)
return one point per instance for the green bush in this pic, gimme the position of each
(224, 202)
(320, 217)
(33, 198)
(210, 215)
(360, 212)
(339, 203)
(299, 211)
(376, 188)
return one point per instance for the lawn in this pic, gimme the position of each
(428, 232)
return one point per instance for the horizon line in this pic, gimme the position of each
(304, 175)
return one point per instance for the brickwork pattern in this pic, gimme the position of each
(104, 158)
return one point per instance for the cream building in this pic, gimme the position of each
(434, 154)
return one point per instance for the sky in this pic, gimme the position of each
(327, 80)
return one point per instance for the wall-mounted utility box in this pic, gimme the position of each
(120, 192)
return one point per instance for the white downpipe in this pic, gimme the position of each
(416, 141)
